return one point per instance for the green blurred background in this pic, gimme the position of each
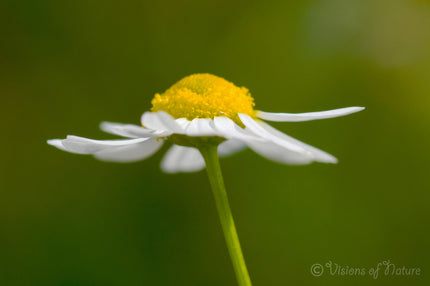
(65, 66)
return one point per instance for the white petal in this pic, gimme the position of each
(318, 155)
(129, 130)
(279, 154)
(126, 150)
(201, 127)
(182, 159)
(82, 145)
(188, 159)
(256, 128)
(183, 123)
(229, 147)
(230, 130)
(57, 143)
(161, 121)
(294, 117)
(130, 153)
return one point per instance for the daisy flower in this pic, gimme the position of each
(205, 116)
(203, 107)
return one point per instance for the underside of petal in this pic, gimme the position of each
(280, 147)
(81, 145)
(130, 153)
(126, 150)
(317, 154)
(182, 159)
(256, 128)
(277, 153)
(188, 159)
(230, 147)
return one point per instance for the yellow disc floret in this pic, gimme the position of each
(204, 96)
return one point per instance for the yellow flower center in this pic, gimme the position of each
(204, 96)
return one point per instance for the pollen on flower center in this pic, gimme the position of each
(204, 96)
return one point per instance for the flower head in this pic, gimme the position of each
(204, 96)
(202, 109)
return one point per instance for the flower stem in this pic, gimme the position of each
(210, 154)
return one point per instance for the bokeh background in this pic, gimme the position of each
(65, 66)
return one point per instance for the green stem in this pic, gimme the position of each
(210, 154)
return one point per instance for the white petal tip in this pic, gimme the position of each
(55, 142)
(327, 158)
(58, 143)
(104, 126)
(357, 108)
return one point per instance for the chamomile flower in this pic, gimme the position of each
(203, 108)
(204, 116)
